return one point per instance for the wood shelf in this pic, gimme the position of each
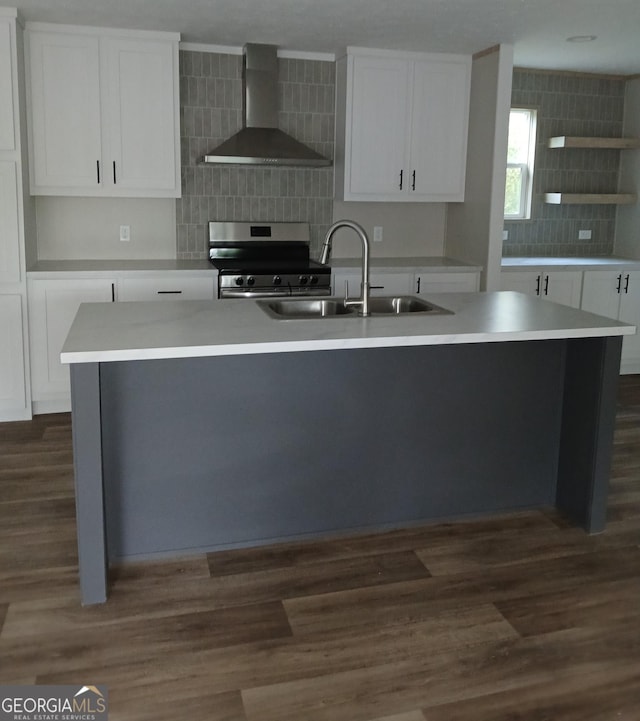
(567, 141)
(590, 198)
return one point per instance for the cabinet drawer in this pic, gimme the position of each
(171, 288)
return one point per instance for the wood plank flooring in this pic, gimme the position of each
(520, 617)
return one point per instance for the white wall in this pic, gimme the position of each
(409, 229)
(627, 240)
(89, 228)
(474, 228)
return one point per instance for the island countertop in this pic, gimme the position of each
(104, 332)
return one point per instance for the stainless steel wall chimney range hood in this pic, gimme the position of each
(261, 142)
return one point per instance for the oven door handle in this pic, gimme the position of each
(271, 293)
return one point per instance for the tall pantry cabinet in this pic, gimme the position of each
(16, 221)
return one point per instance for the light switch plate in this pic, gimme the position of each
(125, 233)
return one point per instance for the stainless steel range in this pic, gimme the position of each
(260, 260)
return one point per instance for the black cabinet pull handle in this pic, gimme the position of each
(418, 284)
(113, 292)
(619, 286)
(538, 279)
(114, 172)
(169, 292)
(401, 172)
(626, 284)
(546, 285)
(413, 180)
(98, 171)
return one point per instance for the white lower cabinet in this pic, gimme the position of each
(406, 282)
(54, 302)
(381, 283)
(446, 282)
(53, 305)
(616, 294)
(166, 287)
(12, 378)
(559, 286)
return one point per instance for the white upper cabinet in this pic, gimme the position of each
(379, 128)
(402, 126)
(7, 131)
(66, 147)
(103, 112)
(439, 126)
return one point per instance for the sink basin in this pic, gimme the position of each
(403, 304)
(306, 308)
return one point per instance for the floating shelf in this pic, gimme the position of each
(590, 198)
(567, 141)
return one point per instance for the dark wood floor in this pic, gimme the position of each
(515, 618)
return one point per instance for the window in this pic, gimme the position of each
(522, 147)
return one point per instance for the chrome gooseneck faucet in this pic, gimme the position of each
(364, 285)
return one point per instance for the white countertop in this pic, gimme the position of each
(102, 268)
(569, 263)
(103, 332)
(56, 268)
(431, 264)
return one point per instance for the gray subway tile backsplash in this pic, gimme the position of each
(569, 105)
(211, 111)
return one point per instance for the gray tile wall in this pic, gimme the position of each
(569, 105)
(211, 111)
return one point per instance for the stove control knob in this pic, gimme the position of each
(251, 280)
(313, 280)
(239, 280)
(303, 280)
(277, 280)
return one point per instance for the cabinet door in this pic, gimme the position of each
(165, 288)
(65, 112)
(522, 281)
(447, 282)
(378, 129)
(380, 283)
(12, 372)
(346, 283)
(391, 283)
(7, 132)
(439, 122)
(53, 306)
(630, 313)
(9, 231)
(139, 117)
(563, 287)
(600, 292)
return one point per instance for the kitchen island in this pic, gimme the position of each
(199, 426)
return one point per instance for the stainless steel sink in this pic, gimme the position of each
(306, 308)
(402, 305)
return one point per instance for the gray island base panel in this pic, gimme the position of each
(190, 454)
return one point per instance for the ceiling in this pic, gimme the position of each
(537, 28)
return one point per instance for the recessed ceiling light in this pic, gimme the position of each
(581, 38)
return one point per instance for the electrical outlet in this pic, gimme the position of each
(584, 235)
(125, 233)
(377, 234)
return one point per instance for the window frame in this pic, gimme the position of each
(526, 168)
